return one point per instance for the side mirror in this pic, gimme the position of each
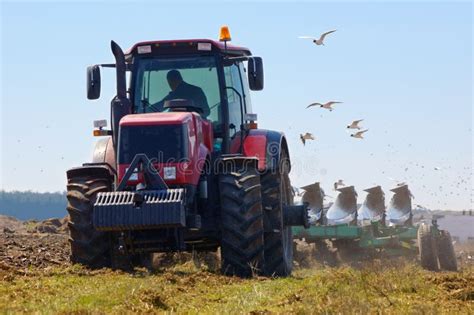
(93, 82)
(255, 73)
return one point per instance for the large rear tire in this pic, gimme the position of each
(446, 254)
(276, 193)
(427, 248)
(242, 222)
(89, 247)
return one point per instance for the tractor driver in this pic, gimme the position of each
(183, 90)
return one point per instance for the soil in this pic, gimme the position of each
(26, 244)
(33, 244)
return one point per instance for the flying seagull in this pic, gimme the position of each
(359, 134)
(355, 124)
(319, 41)
(327, 105)
(340, 182)
(306, 136)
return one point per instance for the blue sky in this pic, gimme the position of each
(405, 68)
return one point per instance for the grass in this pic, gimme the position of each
(185, 289)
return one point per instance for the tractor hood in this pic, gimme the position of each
(171, 118)
(176, 141)
(164, 138)
(160, 136)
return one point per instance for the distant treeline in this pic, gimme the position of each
(27, 205)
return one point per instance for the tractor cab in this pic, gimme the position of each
(211, 78)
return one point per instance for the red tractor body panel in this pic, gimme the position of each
(199, 146)
(265, 145)
(255, 145)
(175, 118)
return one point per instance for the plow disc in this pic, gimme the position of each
(373, 208)
(399, 211)
(314, 196)
(344, 209)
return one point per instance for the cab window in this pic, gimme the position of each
(245, 83)
(233, 80)
(198, 81)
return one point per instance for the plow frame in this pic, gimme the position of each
(392, 238)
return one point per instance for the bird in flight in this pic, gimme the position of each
(355, 124)
(359, 134)
(318, 41)
(306, 136)
(340, 182)
(327, 105)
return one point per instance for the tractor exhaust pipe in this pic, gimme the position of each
(344, 209)
(373, 208)
(120, 69)
(120, 105)
(400, 211)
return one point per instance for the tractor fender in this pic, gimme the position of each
(227, 162)
(98, 171)
(265, 145)
(103, 162)
(276, 143)
(104, 152)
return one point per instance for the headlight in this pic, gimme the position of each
(169, 172)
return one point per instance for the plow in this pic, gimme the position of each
(374, 228)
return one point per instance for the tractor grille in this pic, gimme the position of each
(164, 143)
(125, 210)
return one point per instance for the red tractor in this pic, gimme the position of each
(184, 167)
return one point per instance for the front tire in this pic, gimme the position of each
(89, 247)
(242, 222)
(277, 193)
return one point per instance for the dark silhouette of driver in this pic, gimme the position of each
(183, 90)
